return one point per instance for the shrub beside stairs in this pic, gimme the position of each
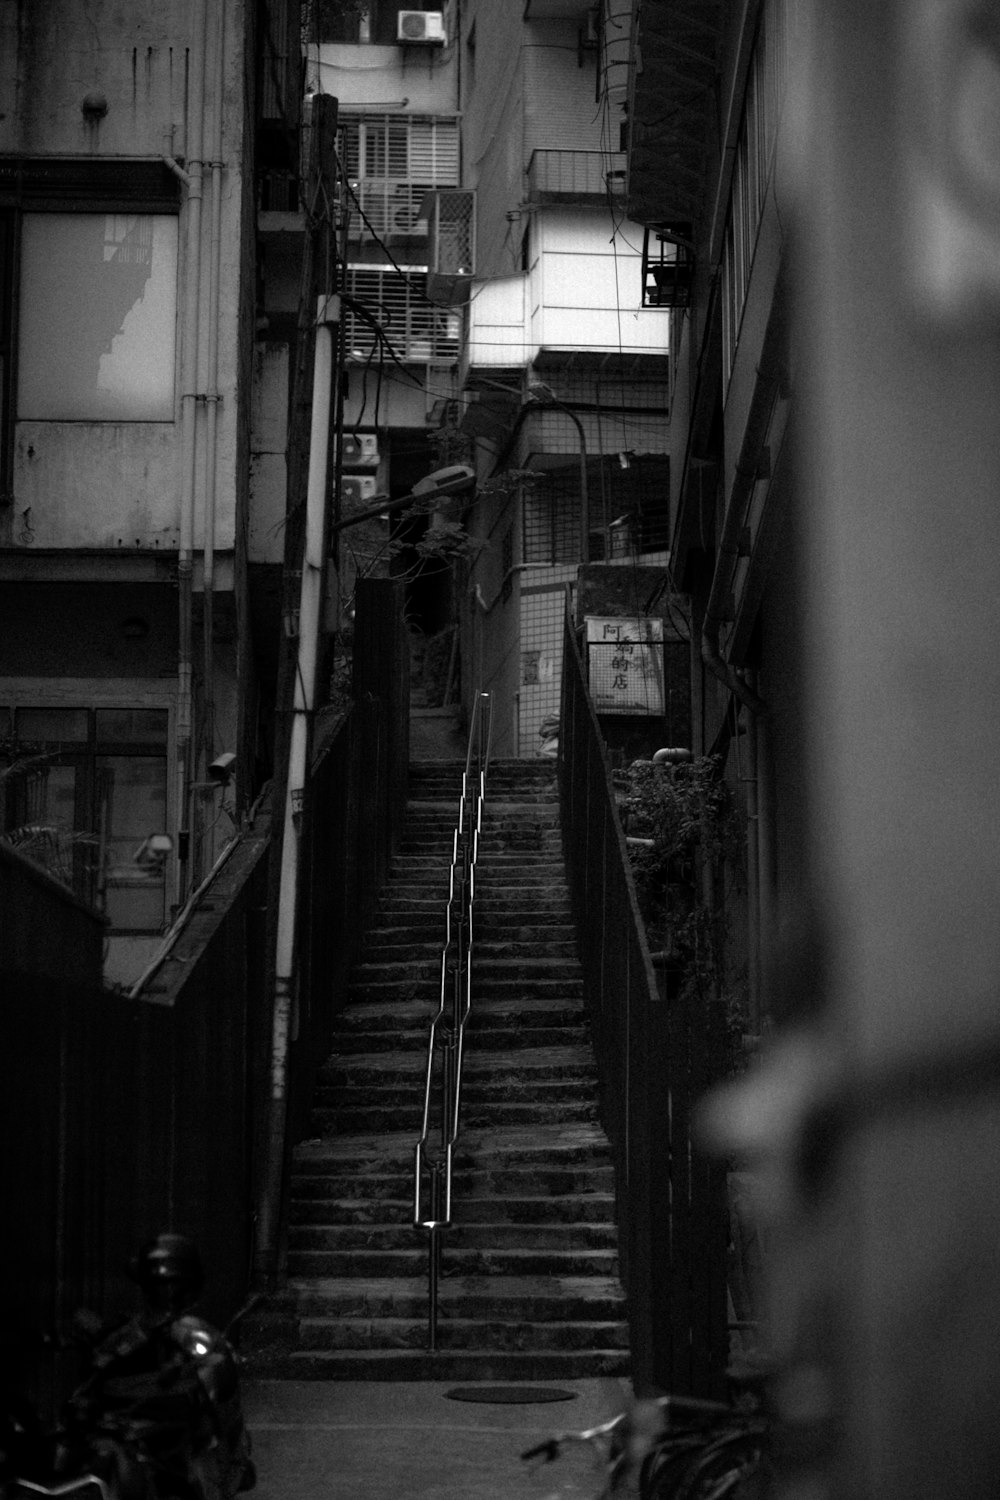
(529, 1287)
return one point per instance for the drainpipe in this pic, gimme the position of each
(753, 873)
(212, 396)
(310, 625)
(716, 610)
(192, 179)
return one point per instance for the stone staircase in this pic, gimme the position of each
(529, 1286)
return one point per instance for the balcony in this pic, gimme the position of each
(575, 176)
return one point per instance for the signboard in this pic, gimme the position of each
(625, 664)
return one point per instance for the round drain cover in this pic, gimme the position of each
(509, 1395)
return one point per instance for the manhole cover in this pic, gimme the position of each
(509, 1395)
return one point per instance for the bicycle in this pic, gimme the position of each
(680, 1447)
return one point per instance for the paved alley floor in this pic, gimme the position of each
(374, 1440)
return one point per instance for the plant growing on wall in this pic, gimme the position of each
(685, 832)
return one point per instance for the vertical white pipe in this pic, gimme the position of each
(310, 625)
(189, 396)
(212, 397)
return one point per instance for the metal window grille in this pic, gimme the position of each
(414, 329)
(638, 495)
(453, 231)
(393, 161)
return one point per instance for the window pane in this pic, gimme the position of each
(135, 726)
(133, 793)
(40, 818)
(51, 726)
(98, 307)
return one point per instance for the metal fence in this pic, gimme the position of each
(575, 174)
(123, 1117)
(354, 810)
(655, 1054)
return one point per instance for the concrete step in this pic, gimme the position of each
(473, 1261)
(428, 949)
(369, 1188)
(492, 1069)
(381, 1015)
(538, 1148)
(590, 1208)
(497, 1236)
(406, 1114)
(494, 1366)
(340, 1333)
(506, 1298)
(492, 972)
(487, 988)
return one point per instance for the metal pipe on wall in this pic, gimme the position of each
(212, 396)
(311, 593)
(192, 178)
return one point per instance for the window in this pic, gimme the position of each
(88, 298)
(85, 796)
(97, 315)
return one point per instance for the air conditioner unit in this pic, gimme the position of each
(358, 488)
(424, 27)
(360, 450)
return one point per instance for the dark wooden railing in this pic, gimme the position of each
(653, 1056)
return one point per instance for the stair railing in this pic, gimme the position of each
(434, 1152)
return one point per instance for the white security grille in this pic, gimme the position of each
(452, 222)
(392, 162)
(397, 303)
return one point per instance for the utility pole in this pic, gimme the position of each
(304, 580)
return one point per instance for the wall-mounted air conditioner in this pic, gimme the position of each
(421, 26)
(360, 450)
(358, 488)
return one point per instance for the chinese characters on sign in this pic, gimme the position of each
(625, 664)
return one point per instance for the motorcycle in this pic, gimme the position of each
(158, 1415)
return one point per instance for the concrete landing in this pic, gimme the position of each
(371, 1440)
(437, 734)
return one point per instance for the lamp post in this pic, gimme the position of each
(544, 395)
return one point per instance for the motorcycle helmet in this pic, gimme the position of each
(168, 1269)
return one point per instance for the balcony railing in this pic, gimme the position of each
(575, 176)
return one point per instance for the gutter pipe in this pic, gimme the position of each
(311, 590)
(212, 396)
(746, 477)
(192, 179)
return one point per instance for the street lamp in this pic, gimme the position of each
(541, 393)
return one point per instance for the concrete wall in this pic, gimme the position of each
(115, 483)
(414, 80)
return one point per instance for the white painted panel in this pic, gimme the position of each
(98, 484)
(361, 75)
(638, 333)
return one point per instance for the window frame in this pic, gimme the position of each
(92, 695)
(133, 185)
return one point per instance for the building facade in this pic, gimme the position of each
(128, 684)
(564, 374)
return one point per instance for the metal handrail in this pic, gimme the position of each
(432, 1173)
